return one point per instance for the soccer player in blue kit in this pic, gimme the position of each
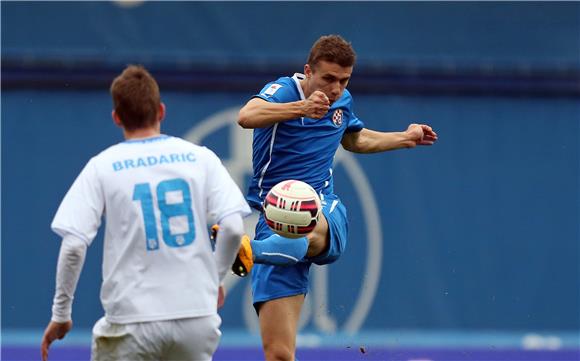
(298, 124)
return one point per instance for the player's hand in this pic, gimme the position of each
(54, 331)
(317, 105)
(221, 297)
(421, 134)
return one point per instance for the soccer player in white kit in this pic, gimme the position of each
(161, 277)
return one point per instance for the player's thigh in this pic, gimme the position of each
(333, 230)
(279, 323)
(122, 342)
(318, 239)
(194, 338)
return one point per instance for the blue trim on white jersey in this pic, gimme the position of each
(297, 77)
(148, 140)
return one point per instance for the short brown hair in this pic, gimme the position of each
(136, 97)
(334, 49)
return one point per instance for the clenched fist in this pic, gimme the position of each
(317, 105)
(421, 134)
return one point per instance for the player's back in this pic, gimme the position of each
(158, 261)
(154, 180)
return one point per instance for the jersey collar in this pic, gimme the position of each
(147, 140)
(297, 77)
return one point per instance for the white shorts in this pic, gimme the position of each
(191, 339)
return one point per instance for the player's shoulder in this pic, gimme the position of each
(201, 151)
(282, 85)
(180, 142)
(346, 96)
(107, 151)
(104, 154)
(345, 101)
(283, 80)
(209, 154)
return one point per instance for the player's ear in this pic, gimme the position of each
(307, 70)
(116, 119)
(161, 112)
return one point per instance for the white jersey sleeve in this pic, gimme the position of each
(223, 195)
(80, 212)
(70, 263)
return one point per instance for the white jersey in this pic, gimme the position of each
(158, 195)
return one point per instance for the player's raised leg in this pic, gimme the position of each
(281, 251)
(319, 238)
(275, 250)
(278, 326)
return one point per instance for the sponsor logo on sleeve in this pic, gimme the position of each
(271, 90)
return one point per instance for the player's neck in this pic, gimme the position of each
(142, 133)
(305, 88)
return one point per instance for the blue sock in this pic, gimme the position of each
(278, 250)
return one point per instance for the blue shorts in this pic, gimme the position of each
(270, 282)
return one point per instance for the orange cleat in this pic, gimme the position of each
(244, 260)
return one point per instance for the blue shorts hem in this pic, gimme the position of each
(338, 234)
(289, 293)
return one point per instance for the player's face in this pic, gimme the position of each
(329, 78)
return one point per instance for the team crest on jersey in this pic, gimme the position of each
(337, 117)
(272, 89)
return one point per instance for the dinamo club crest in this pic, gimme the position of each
(337, 117)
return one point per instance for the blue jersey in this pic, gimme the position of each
(300, 148)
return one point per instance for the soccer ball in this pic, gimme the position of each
(292, 208)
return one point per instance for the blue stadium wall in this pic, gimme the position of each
(479, 232)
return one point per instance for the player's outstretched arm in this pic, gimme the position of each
(370, 141)
(70, 263)
(259, 113)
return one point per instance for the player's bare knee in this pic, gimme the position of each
(316, 248)
(278, 352)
